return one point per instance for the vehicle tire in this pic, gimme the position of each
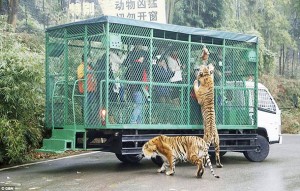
(121, 158)
(261, 152)
(132, 159)
(157, 160)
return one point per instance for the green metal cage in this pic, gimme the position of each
(125, 85)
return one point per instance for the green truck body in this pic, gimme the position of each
(104, 121)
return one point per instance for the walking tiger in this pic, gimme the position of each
(179, 148)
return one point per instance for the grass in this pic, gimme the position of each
(290, 120)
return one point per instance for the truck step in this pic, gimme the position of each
(63, 134)
(56, 145)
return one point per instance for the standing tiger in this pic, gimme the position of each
(205, 97)
(179, 148)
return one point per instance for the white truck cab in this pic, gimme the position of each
(268, 114)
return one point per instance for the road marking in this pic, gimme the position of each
(39, 162)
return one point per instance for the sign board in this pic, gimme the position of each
(146, 10)
(252, 57)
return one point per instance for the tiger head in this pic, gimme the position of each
(151, 148)
(205, 74)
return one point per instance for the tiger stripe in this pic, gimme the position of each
(179, 149)
(205, 97)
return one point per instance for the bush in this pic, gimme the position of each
(21, 95)
(16, 140)
(291, 121)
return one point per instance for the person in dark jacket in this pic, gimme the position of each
(137, 71)
(161, 73)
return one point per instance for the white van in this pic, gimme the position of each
(268, 114)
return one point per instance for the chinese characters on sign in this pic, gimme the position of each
(146, 10)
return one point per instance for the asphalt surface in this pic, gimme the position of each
(104, 172)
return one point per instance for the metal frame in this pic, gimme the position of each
(233, 46)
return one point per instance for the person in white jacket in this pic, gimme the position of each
(115, 62)
(175, 66)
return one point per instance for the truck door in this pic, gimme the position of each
(268, 114)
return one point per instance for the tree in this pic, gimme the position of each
(295, 19)
(81, 8)
(21, 94)
(12, 12)
(170, 6)
(201, 13)
(1, 6)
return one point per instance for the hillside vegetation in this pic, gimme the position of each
(21, 94)
(283, 90)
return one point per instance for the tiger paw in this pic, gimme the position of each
(219, 165)
(199, 174)
(170, 173)
(206, 165)
(161, 170)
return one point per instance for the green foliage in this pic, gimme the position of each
(269, 62)
(283, 91)
(13, 143)
(290, 115)
(268, 20)
(21, 94)
(202, 14)
(290, 121)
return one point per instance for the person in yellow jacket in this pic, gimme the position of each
(91, 82)
(91, 85)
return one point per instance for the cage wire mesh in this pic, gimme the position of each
(139, 75)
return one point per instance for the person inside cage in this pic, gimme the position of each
(91, 85)
(137, 71)
(115, 90)
(175, 66)
(161, 73)
(218, 64)
(162, 93)
(131, 54)
(115, 60)
(196, 116)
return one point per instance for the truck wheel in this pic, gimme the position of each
(261, 152)
(121, 157)
(132, 159)
(157, 160)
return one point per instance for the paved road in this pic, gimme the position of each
(103, 172)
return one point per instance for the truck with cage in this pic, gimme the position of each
(112, 104)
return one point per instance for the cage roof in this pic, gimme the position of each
(165, 27)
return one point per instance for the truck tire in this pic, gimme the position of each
(121, 158)
(132, 159)
(261, 152)
(157, 160)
